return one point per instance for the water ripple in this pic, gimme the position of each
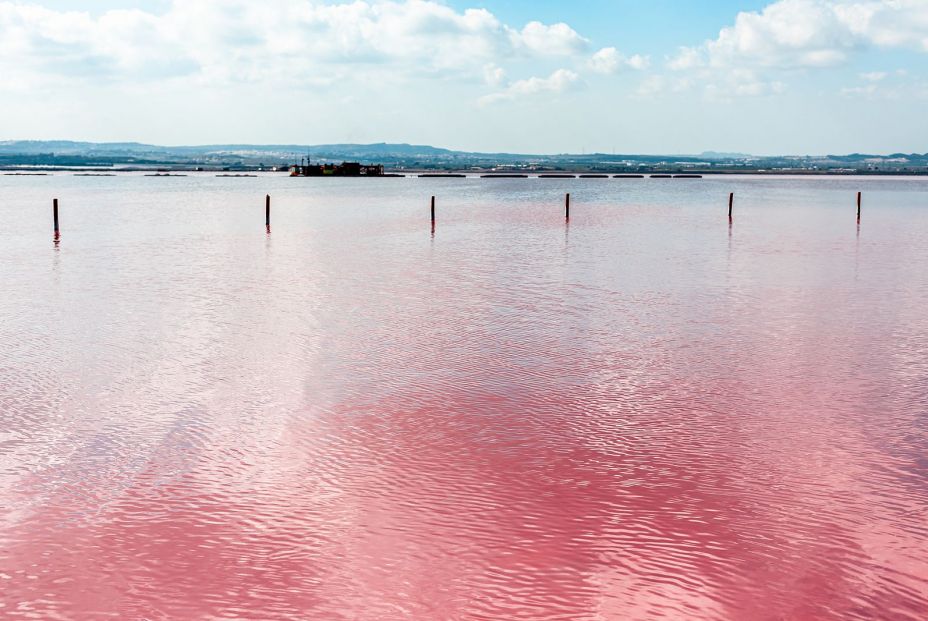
(643, 417)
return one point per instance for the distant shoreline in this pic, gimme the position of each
(238, 172)
(402, 158)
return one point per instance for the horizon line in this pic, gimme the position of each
(271, 145)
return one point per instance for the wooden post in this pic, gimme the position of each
(858, 206)
(731, 202)
(433, 210)
(267, 210)
(567, 207)
(55, 216)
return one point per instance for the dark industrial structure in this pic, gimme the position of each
(345, 169)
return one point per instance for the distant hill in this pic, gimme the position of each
(402, 156)
(69, 147)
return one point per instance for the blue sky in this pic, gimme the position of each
(651, 26)
(775, 76)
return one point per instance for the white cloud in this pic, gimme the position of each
(606, 60)
(873, 76)
(751, 56)
(811, 33)
(638, 62)
(890, 23)
(557, 82)
(786, 33)
(687, 58)
(555, 40)
(609, 60)
(290, 41)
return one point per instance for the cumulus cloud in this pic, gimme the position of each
(811, 33)
(687, 58)
(638, 62)
(557, 82)
(786, 33)
(609, 60)
(295, 41)
(606, 60)
(555, 40)
(751, 56)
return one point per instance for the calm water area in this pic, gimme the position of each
(644, 413)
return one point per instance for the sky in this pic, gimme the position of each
(625, 76)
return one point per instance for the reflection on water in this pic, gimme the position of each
(646, 419)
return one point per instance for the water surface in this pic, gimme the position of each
(644, 413)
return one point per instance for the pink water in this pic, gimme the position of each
(642, 415)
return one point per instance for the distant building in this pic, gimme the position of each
(345, 169)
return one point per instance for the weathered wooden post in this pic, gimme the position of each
(55, 217)
(267, 211)
(858, 206)
(567, 206)
(433, 210)
(731, 202)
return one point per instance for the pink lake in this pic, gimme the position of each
(642, 414)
